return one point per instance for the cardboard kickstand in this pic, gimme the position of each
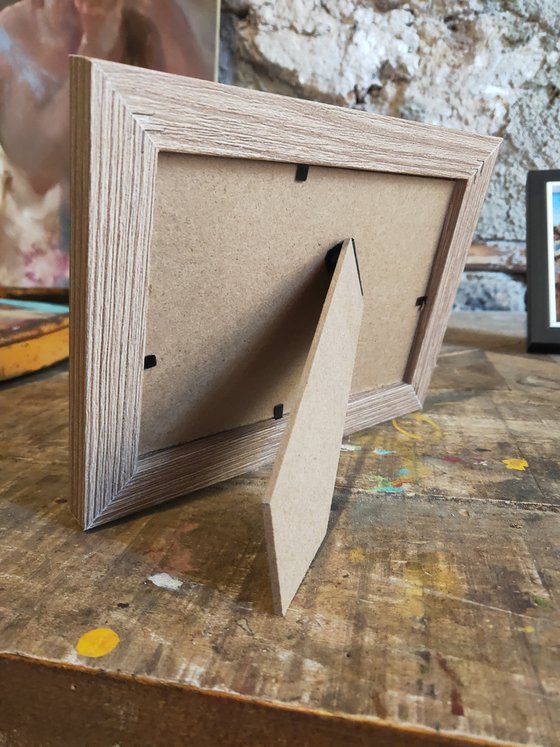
(298, 498)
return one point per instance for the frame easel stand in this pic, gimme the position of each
(298, 498)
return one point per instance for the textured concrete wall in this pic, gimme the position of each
(484, 65)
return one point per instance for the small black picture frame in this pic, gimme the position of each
(543, 261)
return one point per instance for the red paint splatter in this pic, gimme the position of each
(172, 557)
(452, 459)
(453, 676)
(456, 703)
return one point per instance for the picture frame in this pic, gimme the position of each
(543, 261)
(130, 129)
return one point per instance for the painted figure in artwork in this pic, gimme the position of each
(36, 37)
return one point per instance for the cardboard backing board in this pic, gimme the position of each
(236, 284)
(193, 242)
(298, 498)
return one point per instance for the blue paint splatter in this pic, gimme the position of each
(389, 489)
(403, 472)
(383, 452)
(52, 308)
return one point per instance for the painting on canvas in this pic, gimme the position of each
(36, 39)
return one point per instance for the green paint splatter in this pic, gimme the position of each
(541, 601)
(383, 484)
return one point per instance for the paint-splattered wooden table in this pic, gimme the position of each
(430, 616)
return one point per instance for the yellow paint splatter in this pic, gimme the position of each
(97, 642)
(431, 571)
(526, 629)
(419, 417)
(406, 433)
(414, 603)
(518, 464)
(422, 418)
(356, 555)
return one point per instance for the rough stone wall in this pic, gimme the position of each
(486, 65)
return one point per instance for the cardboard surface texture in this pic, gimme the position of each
(236, 284)
(297, 502)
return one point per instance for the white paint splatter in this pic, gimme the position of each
(350, 447)
(244, 625)
(165, 581)
(312, 666)
(157, 638)
(192, 674)
(71, 658)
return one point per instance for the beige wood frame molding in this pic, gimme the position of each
(122, 118)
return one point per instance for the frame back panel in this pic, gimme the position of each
(237, 282)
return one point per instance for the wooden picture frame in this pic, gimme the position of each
(126, 121)
(543, 261)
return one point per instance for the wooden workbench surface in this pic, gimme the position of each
(430, 614)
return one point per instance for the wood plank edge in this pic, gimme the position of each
(40, 694)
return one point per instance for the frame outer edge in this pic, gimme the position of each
(168, 467)
(446, 280)
(110, 257)
(377, 143)
(80, 96)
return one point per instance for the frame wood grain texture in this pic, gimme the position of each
(122, 117)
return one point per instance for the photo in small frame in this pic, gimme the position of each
(543, 261)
